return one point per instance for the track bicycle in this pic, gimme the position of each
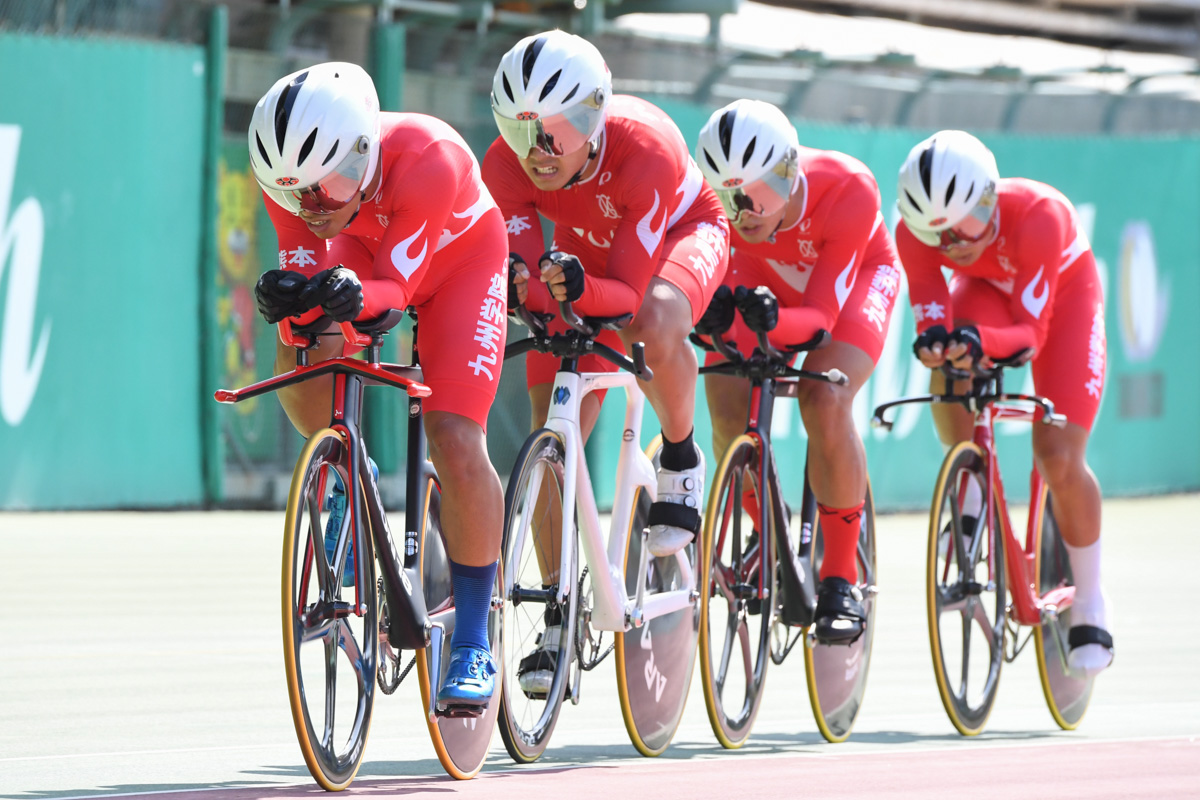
(341, 642)
(646, 605)
(759, 600)
(971, 560)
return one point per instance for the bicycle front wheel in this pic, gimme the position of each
(330, 634)
(1067, 693)
(965, 592)
(461, 744)
(837, 674)
(655, 662)
(737, 598)
(533, 507)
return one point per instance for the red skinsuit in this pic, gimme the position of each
(431, 237)
(1036, 286)
(834, 269)
(644, 211)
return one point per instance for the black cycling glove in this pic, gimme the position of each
(277, 294)
(718, 317)
(572, 272)
(969, 335)
(759, 308)
(935, 334)
(338, 291)
(514, 299)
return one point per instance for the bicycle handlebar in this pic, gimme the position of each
(579, 341)
(304, 341)
(768, 360)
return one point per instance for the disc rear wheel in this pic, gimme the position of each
(1067, 693)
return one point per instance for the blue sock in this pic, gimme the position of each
(472, 603)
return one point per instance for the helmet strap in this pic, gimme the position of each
(592, 150)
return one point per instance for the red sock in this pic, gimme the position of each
(839, 532)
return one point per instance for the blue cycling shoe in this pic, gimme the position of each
(335, 504)
(469, 684)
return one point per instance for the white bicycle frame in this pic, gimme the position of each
(612, 610)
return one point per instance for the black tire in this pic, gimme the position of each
(526, 723)
(965, 595)
(330, 643)
(736, 605)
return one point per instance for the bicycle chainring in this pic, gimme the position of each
(589, 648)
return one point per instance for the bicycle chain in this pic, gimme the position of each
(388, 662)
(583, 636)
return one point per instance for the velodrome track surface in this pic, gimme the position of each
(140, 653)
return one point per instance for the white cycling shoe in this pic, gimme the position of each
(675, 517)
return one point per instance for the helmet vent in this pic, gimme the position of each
(508, 90)
(770, 153)
(531, 54)
(571, 93)
(710, 161)
(912, 201)
(332, 150)
(970, 192)
(283, 110)
(749, 151)
(262, 151)
(725, 131)
(550, 84)
(925, 166)
(950, 188)
(307, 147)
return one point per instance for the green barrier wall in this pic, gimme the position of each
(101, 186)
(1139, 201)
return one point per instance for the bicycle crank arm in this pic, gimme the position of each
(436, 635)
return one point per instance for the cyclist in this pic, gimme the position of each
(1024, 279)
(377, 211)
(636, 231)
(813, 254)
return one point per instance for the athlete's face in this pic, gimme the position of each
(755, 229)
(966, 253)
(550, 173)
(327, 226)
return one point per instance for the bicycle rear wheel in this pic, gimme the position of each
(533, 508)
(735, 621)
(330, 636)
(837, 674)
(965, 593)
(655, 661)
(461, 744)
(1067, 694)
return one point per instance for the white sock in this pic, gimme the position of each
(1090, 607)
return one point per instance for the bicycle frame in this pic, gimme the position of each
(612, 611)
(1028, 608)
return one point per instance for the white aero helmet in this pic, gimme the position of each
(314, 137)
(748, 152)
(947, 189)
(550, 92)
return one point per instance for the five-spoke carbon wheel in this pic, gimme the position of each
(965, 591)
(330, 631)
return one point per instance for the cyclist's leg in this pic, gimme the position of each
(1070, 372)
(693, 263)
(837, 462)
(461, 363)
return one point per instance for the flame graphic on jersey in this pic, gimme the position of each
(1034, 303)
(649, 236)
(405, 264)
(845, 282)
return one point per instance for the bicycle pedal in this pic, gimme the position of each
(461, 711)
